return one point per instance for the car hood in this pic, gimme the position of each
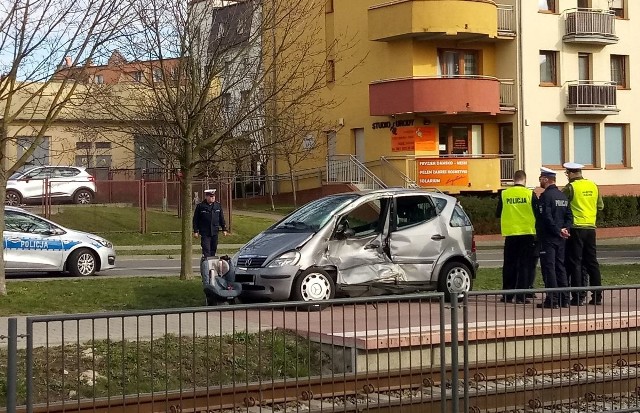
(271, 244)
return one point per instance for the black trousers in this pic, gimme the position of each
(209, 244)
(552, 253)
(519, 263)
(582, 262)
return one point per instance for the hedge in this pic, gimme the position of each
(619, 211)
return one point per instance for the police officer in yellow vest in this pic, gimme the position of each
(585, 202)
(516, 210)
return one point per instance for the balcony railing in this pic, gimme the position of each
(590, 26)
(591, 98)
(506, 20)
(507, 94)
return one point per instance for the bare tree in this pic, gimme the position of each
(38, 38)
(300, 136)
(220, 73)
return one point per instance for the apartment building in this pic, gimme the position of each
(82, 135)
(579, 106)
(457, 94)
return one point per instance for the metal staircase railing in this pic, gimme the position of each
(348, 169)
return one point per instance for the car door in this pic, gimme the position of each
(358, 246)
(417, 235)
(30, 243)
(32, 183)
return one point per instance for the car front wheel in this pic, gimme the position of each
(82, 263)
(313, 285)
(83, 196)
(12, 198)
(455, 278)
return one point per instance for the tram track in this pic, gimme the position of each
(543, 382)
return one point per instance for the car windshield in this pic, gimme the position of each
(314, 215)
(17, 174)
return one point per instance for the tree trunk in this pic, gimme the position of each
(3, 192)
(293, 186)
(187, 226)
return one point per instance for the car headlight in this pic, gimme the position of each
(102, 242)
(288, 258)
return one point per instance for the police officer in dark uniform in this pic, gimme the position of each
(208, 219)
(585, 201)
(553, 225)
(516, 209)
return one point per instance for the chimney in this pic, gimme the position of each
(68, 61)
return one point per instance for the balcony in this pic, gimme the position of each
(459, 19)
(590, 26)
(441, 95)
(591, 98)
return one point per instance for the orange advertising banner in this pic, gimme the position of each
(403, 140)
(410, 138)
(426, 139)
(443, 172)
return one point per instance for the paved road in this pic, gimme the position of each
(151, 266)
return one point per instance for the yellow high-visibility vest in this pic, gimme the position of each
(584, 203)
(517, 216)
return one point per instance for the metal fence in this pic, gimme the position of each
(408, 353)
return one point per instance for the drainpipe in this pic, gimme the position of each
(519, 66)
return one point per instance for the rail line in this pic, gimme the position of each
(556, 378)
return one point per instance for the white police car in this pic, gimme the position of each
(32, 243)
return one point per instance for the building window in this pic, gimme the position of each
(584, 136)
(548, 6)
(40, 155)
(458, 62)
(548, 68)
(103, 161)
(226, 102)
(584, 67)
(584, 4)
(617, 7)
(83, 145)
(552, 144)
(157, 75)
(103, 145)
(84, 160)
(244, 98)
(99, 79)
(137, 76)
(331, 70)
(615, 141)
(619, 70)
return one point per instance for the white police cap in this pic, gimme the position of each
(547, 172)
(209, 192)
(572, 165)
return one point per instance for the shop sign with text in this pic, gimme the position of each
(421, 139)
(443, 172)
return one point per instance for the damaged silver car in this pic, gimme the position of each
(390, 241)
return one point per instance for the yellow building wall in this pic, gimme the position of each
(366, 61)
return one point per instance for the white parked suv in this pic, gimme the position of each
(65, 183)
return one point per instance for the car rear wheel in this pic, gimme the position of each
(83, 196)
(12, 198)
(313, 285)
(455, 278)
(82, 263)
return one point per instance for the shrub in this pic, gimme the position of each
(619, 211)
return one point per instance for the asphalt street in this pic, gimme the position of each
(153, 265)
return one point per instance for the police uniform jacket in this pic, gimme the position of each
(208, 218)
(554, 214)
